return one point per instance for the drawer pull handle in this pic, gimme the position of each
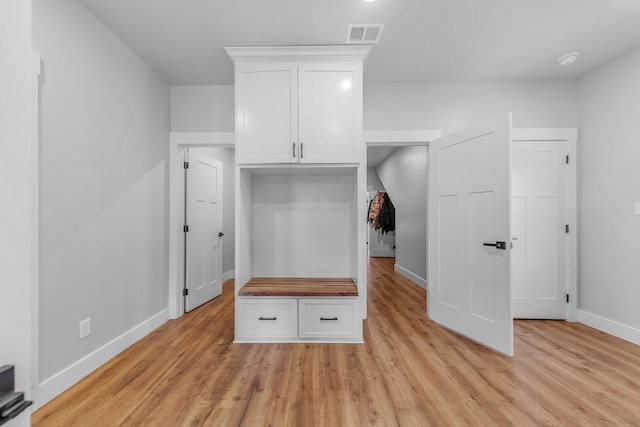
(328, 318)
(267, 318)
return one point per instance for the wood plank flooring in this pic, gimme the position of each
(299, 287)
(409, 372)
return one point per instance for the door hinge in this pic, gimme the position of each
(185, 292)
(566, 228)
(186, 165)
(566, 159)
(185, 228)
(567, 295)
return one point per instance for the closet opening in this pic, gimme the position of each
(397, 199)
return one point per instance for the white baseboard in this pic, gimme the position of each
(612, 327)
(53, 386)
(383, 253)
(228, 275)
(409, 275)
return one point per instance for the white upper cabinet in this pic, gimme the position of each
(299, 104)
(330, 118)
(266, 112)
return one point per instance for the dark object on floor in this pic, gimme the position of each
(12, 402)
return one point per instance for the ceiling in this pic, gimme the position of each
(423, 40)
(378, 154)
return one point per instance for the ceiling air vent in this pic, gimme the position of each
(364, 33)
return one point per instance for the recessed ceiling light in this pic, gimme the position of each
(369, 1)
(569, 58)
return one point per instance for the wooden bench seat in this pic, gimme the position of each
(298, 287)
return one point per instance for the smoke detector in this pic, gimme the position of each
(364, 33)
(569, 58)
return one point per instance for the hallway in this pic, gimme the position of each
(409, 372)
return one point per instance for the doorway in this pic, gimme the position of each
(374, 139)
(396, 161)
(471, 260)
(220, 145)
(544, 224)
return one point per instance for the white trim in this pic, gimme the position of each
(35, 227)
(411, 276)
(382, 253)
(231, 274)
(55, 385)
(572, 215)
(227, 139)
(177, 142)
(544, 134)
(400, 137)
(612, 327)
(298, 53)
(299, 341)
(570, 135)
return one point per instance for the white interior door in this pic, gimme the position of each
(203, 240)
(539, 218)
(469, 208)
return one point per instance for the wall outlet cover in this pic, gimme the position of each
(84, 328)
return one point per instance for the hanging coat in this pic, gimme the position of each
(374, 208)
(387, 216)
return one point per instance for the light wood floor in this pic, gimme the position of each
(409, 372)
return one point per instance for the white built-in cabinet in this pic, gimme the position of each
(298, 112)
(300, 271)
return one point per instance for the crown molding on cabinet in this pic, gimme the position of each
(297, 53)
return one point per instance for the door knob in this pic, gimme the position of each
(220, 234)
(497, 245)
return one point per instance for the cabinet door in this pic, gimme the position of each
(266, 112)
(330, 112)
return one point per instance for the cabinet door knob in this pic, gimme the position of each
(294, 150)
(301, 150)
(328, 318)
(267, 318)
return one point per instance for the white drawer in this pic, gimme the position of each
(327, 318)
(267, 318)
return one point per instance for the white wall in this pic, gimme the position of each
(17, 180)
(105, 119)
(609, 184)
(404, 175)
(202, 108)
(445, 106)
(303, 225)
(227, 157)
(449, 106)
(373, 180)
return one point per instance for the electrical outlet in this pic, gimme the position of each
(84, 329)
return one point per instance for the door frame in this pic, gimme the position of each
(178, 141)
(570, 136)
(396, 138)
